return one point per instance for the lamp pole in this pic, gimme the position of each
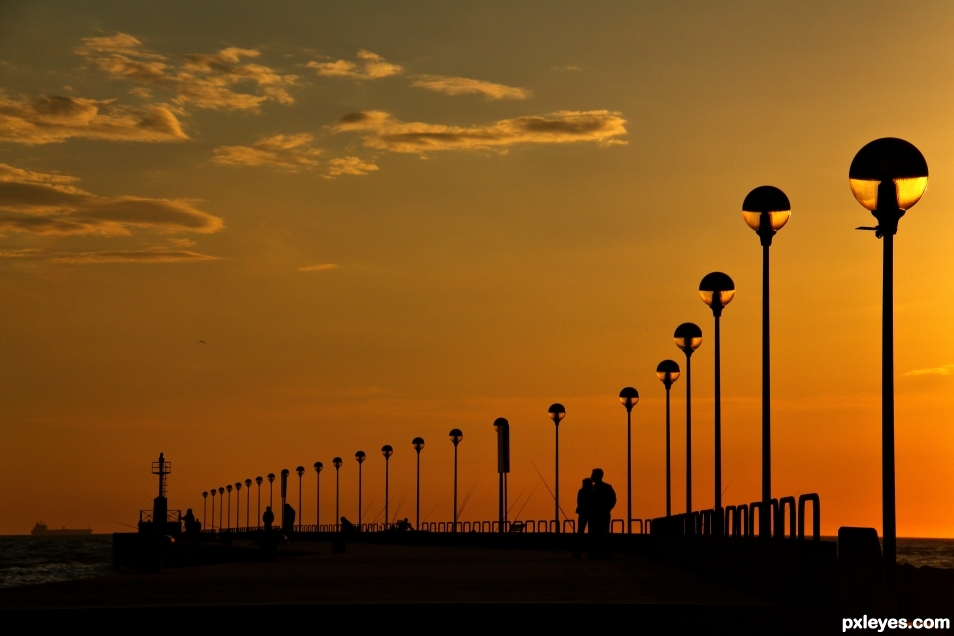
(221, 492)
(238, 504)
(359, 456)
(556, 413)
(228, 517)
(455, 436)
(766, 210)
(418, 443)
(629, 397)
(336, 462)
(668, 372)
(888, 176)
(318, 467)
(248, 502)
(387, 451)
(258, 520)
(301, 511)
(213, 510)
(271, 492)
(688, 337)
(205, 505)
(717, 291)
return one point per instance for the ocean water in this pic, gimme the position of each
(26, 560)
(32, 560)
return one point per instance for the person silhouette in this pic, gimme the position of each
(268, 518)
(288, 519)
(189, 521)
(604, 500)
(584, 510)
(346, 526)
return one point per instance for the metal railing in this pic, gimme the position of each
(530, 526)
(746, 520)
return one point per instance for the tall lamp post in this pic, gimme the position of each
(205, 505)
(418, 443)
(301, 511)
(629, 397)
(717, 291)
(668, 372)
(258, 482)
(283, 490)
(221, 493)
(336, 462)
(556, 413)
(248, 502)
(766, 210)
(387, 451)
(238, 504)
(688, 337)
(888, 176)
(213, 510)
(455, 436)
(271, 491)
(359, 456)
(318, 467)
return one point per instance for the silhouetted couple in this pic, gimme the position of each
(192, 525)
(594, 505)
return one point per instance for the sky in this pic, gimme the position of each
(256, 236)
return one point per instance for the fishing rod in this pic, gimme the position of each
(548, 488)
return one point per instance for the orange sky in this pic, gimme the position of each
(386, 222)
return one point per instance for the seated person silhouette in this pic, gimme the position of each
(346, 526)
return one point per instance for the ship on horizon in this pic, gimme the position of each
(41, 530)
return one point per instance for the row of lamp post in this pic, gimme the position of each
(887, 176)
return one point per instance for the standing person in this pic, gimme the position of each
(288, 519)
(584, 509)
(604, 500)
(268, 518)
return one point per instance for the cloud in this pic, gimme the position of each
(372, 66)
(466, 86)
(947, 369)
(115, 256)
(291, 152)
(381, 131)
(318, 268)
(45, 204)
(349, 165)
(203, 80)
(58, 118)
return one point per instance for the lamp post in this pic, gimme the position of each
(688, 337)
(213, 509)
(387, 451)
(283, 490)
(337, 464)
(318, 467)
(205, 505)
(888, 176)
(717, 291)
(502, 428)
(248, 502)
(301, 511)
(455, 437)
(271, 492)
(557, 413)
(228, 516)
(418, 443)
(766, 210)
(258, 520)
(238, 503)
(221, 493)
(629, 397)
(359, 456)
(668, 372)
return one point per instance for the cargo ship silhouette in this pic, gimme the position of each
(40, 530)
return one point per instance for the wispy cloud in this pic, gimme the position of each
(318, 268)
(46, 204)
(382, 131)
(290, 152)
(369, 67)
(202, 80)
(467, 86)
(58, 118)
(947, 369)
(114, 256)
(349, 165)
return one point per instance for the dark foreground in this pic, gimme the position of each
(479, 587)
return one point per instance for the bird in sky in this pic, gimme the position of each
(201, 342)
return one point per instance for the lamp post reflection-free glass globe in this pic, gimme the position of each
(387, 451)
(456, 435)
(766, 210)
(628, 397)
(717, 290)
(668, 372)
(557, 413)
(888, 174)
(688, 337)
(418, 443)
